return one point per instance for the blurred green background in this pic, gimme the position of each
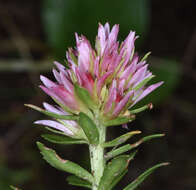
(34, 33)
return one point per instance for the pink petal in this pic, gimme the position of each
(84, 51)
(113, 35)
(52, 94)
(54, 125)
(128, 47)
(102, 38)
(107, 29)
(139, 81)
(67, 84)
(52, 109)
(147, 91)
(122, 103)
(139, 75)
(130, 69)
(57, 76)
(59, 66)
(48, 83)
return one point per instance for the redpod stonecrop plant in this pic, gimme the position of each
(94, 89)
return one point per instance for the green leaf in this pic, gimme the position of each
(148, 106)
(129, 147)
(145, 56)
(62, 139)
(118, 178)
(14, 188)
(89, 128)
(150, 137)
(143, 176)
(120, 139)
(55, 131)
(84, 96)
(56, 116)
(113, 169)
(73, 180)
(65, 165)
(119, 121)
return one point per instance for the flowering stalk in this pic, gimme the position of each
(97, 89)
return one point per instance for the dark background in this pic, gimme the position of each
(34, 33)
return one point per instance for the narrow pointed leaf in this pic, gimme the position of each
(84, 96)
(143, 176)
(138, 110)
(89, 128)
(62, 139)
(118, 151)
(119, 121)
(120, 139)
(73, 180)
(145, 56)
(118, 178)
(64, 165)
(56, 116)
(114, 168)
(54, 131)
(150, 137)
(129, 147)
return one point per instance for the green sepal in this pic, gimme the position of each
(129, 147)
(141, 84)
(74, 180)
(89, 128)
(84, 96)
(145, 56)
(55, 131)
(14, 188)
(62, 139)
(120, 139)
(143, 176)
(138, 110)
(51, 114)
(64, 165)
(119, 121)
(113, 169)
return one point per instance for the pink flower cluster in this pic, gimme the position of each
(112, 73)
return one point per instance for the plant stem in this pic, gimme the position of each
(97, 158)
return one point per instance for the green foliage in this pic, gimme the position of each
(62, 139)
(128, 147)
(121, 139)
(143, 176)
(114, 170)
(56, 116)
(89, 128)
(119, 121)
(65, 165)
(73, 180)
(84, 96)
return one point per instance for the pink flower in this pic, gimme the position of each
(112, 74)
